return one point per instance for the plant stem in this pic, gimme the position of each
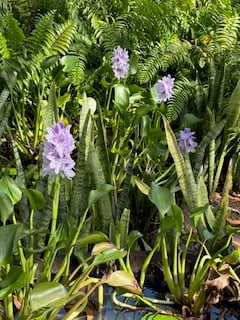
(55, 204)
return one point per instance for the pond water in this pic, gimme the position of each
(112, 312)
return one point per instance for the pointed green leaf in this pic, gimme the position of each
(9, 186)
(124, 280)
(121, 98)
(178, 217)
(93, 237)
(14, 281)
(9, 236)
(161, 197)
(48, 294)
(109, 255)
(95, 195)
(6, 207)
(35, 198)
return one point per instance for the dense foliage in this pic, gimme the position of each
(140, 83)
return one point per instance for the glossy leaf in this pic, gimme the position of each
(48, 294)
(6, 207)
(124, 280)
(178, 217)
(14, 280)
(101, 246)
(161, 197)
(95, 195)
(109, 255)
(9, 236)
(9, 186)
(93, 237)
(121, 98)
(35, 198)
(154, 316)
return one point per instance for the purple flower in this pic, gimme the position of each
(120, 62)
(186, 142)
(165, 88)
(58, 145)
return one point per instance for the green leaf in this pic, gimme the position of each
(93, 237)
(95, 195)
(189, 120)
(133, 64)
(35, 198)
(48, 294)
(133, 236)
(6, 207)
(14, 280)
(9, 186)
(9, 236)
(124, 280)
(154, 316)
(101, 246)
(178, 217)
(161, 197)
(121, 98)
(109, 255)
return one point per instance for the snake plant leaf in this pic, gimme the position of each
(161, 197)
(95, 195)
(9, 235)
(48, 294)
(14, 280)
(178, 159)
(142, 186)
(122, 279)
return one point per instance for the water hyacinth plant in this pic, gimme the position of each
(165, 88)
(186, 141)
(120, 62)
(64, 61)
(58, 146)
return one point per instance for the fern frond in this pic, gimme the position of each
(13, 33)
(4, 50)
(183, 92)
(63, 37)
(41, 34)
(227, 32)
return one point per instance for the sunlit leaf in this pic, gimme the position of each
(101, 246)
(93, 237)
(124, 280)
(48, 294)
(121, 98)
(154, 316)
(109, 255)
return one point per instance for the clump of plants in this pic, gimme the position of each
(111, 111)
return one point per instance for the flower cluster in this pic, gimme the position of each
(120, 62)
(165, 88)
(186, 142)
(58, 146)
